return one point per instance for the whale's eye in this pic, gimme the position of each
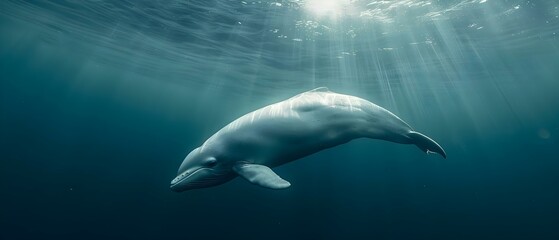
(211, 162)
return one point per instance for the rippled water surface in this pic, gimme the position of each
(100, 100)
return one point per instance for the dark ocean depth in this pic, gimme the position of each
(101, 100)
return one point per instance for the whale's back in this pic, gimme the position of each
(322, 97)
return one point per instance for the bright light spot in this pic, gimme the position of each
(331, 8)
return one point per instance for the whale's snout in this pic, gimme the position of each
(426, 144)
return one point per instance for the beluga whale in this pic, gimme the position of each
(289, 130)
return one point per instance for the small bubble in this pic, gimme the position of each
(544, 133)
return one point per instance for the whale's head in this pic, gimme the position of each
(200, 170)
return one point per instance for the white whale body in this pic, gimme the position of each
(289, 130)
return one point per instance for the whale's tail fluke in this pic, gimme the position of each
(426, 144)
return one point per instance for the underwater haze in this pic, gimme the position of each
(101, 100)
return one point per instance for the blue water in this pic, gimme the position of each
(100, 101)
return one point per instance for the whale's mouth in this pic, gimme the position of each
(184, 176)
(199, 178)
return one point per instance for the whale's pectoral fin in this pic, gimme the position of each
(260, 175)
(426, 144)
